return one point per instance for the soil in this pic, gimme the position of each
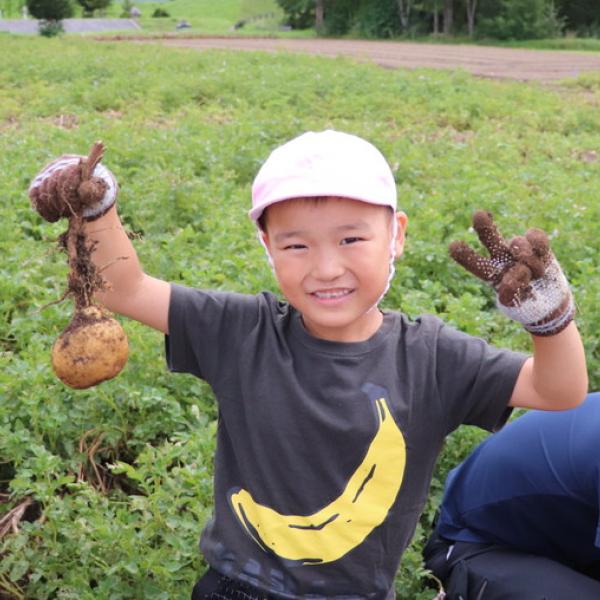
(544, 66)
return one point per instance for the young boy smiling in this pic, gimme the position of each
(332, 261)
(332, 412)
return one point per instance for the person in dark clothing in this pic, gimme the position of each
(520, 517)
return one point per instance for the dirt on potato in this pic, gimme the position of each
(91, 349)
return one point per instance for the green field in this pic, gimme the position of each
(261, 17)
(209, 17)
(119, 476)
(577, 44)
(265, 18)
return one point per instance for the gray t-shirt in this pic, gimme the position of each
(317, 491)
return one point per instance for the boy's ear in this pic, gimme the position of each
(263, 237)
(401, 223)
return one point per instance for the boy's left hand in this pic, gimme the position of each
(74, 185)
(530, 285)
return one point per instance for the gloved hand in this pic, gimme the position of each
(74, 186)
(530, 285)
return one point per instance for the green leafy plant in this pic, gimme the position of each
(160, 13)
(50, 13)
(91, 6)
(300, 14)
(126, 7)
(116, 482)
(50, 10)
(50, 28)
(522, 19)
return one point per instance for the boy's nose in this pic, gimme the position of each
(327, 266)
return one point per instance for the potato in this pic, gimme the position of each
(91, 349)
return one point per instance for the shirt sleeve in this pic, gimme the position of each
(206, 329)
(475, 379)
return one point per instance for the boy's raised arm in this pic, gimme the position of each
(532, 289)
(82, 188)
(129, 291)
(555, 378)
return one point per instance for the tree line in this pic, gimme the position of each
(54, 10)
(499, 19)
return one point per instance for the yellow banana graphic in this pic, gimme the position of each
(333, 531)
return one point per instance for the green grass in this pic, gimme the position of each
(209, 17)
(263, 17)
(186, 133)
(576, 44)
(565, 43)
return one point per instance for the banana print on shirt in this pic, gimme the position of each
(331, 532)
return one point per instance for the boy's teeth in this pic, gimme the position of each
(331, 294)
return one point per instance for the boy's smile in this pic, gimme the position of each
(331, 257)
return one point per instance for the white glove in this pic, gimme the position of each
(530, 285)
(74, 185)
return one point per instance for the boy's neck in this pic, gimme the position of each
(359, 331)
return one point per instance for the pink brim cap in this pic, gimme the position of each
(326, 163)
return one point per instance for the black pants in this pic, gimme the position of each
(214, 586)
(492, 572)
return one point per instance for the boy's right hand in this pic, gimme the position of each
(74, 186)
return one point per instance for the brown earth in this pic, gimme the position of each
(503, 63)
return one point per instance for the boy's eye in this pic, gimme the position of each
(350, 240)
(294, 247)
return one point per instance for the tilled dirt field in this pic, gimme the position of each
(503, 63)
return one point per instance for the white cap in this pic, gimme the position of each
(326, 163)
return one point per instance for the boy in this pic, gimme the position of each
(331, 413)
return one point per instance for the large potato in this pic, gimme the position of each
(91, 349)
